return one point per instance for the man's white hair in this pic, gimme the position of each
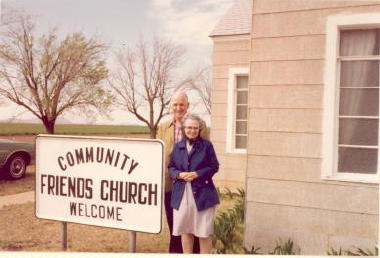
(179, 93)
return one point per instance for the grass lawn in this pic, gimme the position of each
(17, 129)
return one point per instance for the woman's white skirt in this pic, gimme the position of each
(188, 220)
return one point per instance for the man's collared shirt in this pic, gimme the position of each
(177, 132)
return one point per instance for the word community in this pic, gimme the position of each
(98, 155)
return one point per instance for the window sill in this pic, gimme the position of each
(353, 178)
(237, 151)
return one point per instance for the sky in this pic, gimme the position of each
(122, 23)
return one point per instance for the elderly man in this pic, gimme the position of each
(170, 133)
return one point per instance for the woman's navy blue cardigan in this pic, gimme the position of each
(202, 159)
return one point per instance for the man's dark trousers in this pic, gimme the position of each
(175, 244)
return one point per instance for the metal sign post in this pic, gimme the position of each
(64, 236)
(132, 242)
(102, 181)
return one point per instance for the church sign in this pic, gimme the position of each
(110, 182)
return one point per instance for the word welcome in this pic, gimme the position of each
(95, 211)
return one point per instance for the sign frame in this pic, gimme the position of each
(103, 140)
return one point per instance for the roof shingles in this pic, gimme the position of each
(236, 21)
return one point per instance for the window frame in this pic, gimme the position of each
(330, 124)
(233, 73)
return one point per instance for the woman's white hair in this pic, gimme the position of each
(202, 123)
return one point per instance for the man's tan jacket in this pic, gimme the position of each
(166, 134)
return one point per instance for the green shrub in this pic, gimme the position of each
(366, 252)
(286, 248)
(332, 251)
(252, 251)
(226, 240)
(239, 206)
(228, 225)
(357, 252)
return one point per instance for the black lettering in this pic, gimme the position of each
(113, 191)
(132, 192)
(79, 155)
(72, 187)
(88, 188)
(89, 154)
(61, 185)
(153, 193)
(126, 157)
(142, 200)
(93, 214)
(85, 211)
(102, 212)
(117, 159)
(110, 212)
(133, 166)
(42, 183)
(70, 159)
(51, 184)
(60, 159)
(118, 213)
(103, 194)
(123, 192)
(56, 185)
(99, 154)
(80, 187)
(109, 156)
(95, 211)
(73, 208)
(80, 211)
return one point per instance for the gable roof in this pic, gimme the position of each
(236, 21)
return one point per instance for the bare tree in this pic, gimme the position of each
(48, 76)
(145, 80)
(201, 83)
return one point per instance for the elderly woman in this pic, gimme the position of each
(192, 165)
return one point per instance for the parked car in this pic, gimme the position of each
(15, 157)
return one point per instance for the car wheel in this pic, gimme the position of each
(16, 167)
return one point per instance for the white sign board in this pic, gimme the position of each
(109, 182)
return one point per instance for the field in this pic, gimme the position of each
(28, 129)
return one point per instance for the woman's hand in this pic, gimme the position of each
(188, 176)
(182, 175)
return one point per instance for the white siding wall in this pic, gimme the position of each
(286, 196)
(229, 52)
